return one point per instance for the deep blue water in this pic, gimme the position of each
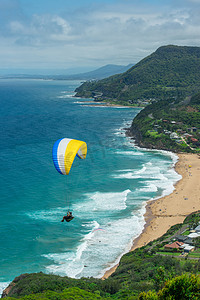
(106, 191)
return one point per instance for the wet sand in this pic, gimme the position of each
(162, 213)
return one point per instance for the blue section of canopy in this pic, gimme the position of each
(55, 155)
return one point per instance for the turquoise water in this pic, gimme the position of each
(106, 192)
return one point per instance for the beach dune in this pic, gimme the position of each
(162, 213)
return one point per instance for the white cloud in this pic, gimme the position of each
(110, 34)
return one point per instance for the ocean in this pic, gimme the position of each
(107, 191)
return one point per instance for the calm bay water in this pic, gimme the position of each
(106, 192)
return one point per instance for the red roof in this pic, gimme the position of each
(194, 140)
(174, 245)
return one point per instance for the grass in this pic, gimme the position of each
(154, 134)
(169, 253)
(194, 254)
(186, 232)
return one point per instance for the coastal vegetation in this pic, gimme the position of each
(145, 273)
(171, 71)
(171, 124)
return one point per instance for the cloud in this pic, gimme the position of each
(42, 29)
(122, 33)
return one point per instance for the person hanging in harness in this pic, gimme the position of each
(68, 217)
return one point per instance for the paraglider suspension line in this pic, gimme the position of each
(67, 196)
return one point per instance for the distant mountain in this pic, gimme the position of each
(169, 71)
(99, 73)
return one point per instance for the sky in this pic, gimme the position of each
(86, 34)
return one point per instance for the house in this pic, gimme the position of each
(181, 238)
(175, 245)
(174, 135)
(194, 140)
(185, 239)
(189, 241)
(194, 235)
(187, 248)
(167, 131)
(197, 229)
(187, 135)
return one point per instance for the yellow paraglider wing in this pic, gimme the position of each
(74, 148)
(64, 152)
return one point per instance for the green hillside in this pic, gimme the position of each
(169, 125)
(168, 72)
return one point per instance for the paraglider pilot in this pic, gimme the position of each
(68, 217)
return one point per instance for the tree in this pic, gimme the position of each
(184, 287)
(181, 287)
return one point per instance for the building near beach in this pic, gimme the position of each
(174, 245)
(197, 229)
(187, 248)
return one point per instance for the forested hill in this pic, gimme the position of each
(169, 124)
(168, 72)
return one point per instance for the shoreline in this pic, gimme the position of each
(108, 104)
(164, 212)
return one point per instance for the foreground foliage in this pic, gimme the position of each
(179, 288)
(70, 294)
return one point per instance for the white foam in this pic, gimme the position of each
(80, 102)
(137, 226)
(50, 215)
(3, 285)
(141, 170)
(104, 201)
(93, 105)
(120, 132)
(122, 129)
(70, 263)
(91, 224)
(68, 92)
(146, 171)
(134, 153)
(65, 96)
(126, 175)
(149, 188)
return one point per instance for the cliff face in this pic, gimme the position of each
(11, 288)
(169, 71)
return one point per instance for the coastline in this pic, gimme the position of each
(172, 209)
(108, 104)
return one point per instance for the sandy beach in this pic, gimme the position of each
(162, 213)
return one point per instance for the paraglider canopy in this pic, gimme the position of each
(64, 152)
